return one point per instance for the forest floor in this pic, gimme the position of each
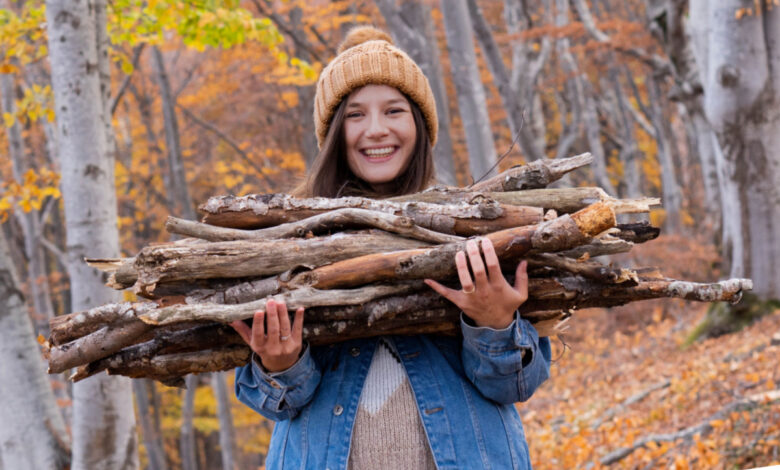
(622, 375)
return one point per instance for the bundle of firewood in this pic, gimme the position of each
(357, 266)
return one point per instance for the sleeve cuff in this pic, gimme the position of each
(294, 375)
(517, 335)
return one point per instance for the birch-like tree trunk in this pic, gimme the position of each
(178, 192)
(189, 460)
(670, 188)
(472, 102)
(411, 25)
(32, 433)
(528, 59)
(152, 440)
(739, 60)
(226, 435)
(103, 417)
(37, 278)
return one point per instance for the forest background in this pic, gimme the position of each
(118, 114)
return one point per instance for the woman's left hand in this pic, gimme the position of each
(488, 299)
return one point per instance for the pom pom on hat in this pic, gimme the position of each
(368, 56)
(361, 34)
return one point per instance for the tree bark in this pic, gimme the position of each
(33, 433)
(37, 277)
(236, 259)
(189, 460)
(152, 441)
(179, 193)
(527, 64)
(472, 102)
(740, 67)
(227, 442)
(559, 234)
(103, 422)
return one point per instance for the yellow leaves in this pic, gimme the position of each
(8, 119)
(30, 194)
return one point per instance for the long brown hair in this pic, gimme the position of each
(330, 175)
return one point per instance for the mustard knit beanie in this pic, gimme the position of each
(368, 56)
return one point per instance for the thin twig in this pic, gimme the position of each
(504, 155)
(123, 87)
(225, 138)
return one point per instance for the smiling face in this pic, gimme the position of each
(379, 133)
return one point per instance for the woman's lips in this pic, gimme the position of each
(379, 154)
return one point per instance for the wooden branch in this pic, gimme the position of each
(620, 407)
(66, 328)
(438, 262)
(302, 297)
(458, 217)
(339, 218)
(171, 368)
(589, 270)
(255, 258)
(563, 200)
(536, 174)
(94, 346)
(702, 428)
(199, 337)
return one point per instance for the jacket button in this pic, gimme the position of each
(274, 384)
(337, 410)
(355, 352)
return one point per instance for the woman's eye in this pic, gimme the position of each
(354, 114)
(396, 110)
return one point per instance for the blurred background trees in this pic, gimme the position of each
(168, 102)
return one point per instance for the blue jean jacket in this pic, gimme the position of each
(465, 391)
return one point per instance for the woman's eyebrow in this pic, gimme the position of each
(357, 104)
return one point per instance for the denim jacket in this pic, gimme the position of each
(465, 390)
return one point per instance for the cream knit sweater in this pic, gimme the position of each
(388, 432)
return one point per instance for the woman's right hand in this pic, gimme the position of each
(280, 346)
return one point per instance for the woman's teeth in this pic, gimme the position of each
(380, 152)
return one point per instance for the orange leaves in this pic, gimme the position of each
(602, 369)
(30, 193)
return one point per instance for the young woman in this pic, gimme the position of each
(405, 402)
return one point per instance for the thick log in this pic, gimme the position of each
(563, 233)
(458, 217)
(66, 328)
(200, 337)
(238, 259)
(537, 174)
(336, 219)
(96, 345)
(170, 367)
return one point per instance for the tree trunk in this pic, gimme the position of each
(740, 66)
(472, 102)
(670, 188)
(527, 64)
(32, 434)
(178, 192)
(104, 422)
(32, 228)
(152, 440)
(189, 460)
(227, 442)
(411, 25)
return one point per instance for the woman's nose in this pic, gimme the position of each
(376, 126)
